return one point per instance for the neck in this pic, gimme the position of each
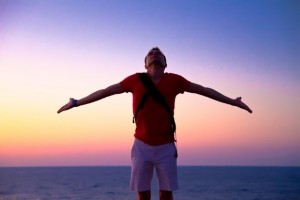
(155, 72)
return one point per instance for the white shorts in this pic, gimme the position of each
(144, 158)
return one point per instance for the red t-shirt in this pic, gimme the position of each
(153, 124)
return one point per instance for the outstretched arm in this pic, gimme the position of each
(100, 94)
(213, 94)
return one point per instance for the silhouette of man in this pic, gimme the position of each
(154, 146)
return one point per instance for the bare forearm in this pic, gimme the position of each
(100, 94)
(213, 94)
(210, 93)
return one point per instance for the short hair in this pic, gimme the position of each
(156, 48)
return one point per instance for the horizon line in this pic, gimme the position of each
(87, 166)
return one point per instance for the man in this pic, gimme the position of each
(154, 146)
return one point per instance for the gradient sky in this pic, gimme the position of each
(53, 50)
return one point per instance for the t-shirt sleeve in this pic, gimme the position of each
(182, 84)
(127, 83)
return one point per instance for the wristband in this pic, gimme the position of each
(74, 103)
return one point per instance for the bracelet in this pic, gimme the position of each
(74, 103)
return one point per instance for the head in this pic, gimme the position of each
(156, 57)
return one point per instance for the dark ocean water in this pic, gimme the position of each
(112, 183)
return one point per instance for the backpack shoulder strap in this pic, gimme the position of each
(141, 104)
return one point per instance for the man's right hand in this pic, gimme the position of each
(68, 106)
(242, 105)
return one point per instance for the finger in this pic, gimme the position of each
(71, 100)
(248, 109)
(60, 110)
(63, 108)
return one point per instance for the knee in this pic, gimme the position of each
(165, 195)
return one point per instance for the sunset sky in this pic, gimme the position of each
(53, 50)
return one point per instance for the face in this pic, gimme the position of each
(155, 56)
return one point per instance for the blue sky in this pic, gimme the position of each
(53, 50)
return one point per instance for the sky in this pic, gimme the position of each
(53, 50)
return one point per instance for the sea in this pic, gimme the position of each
(112, 183)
